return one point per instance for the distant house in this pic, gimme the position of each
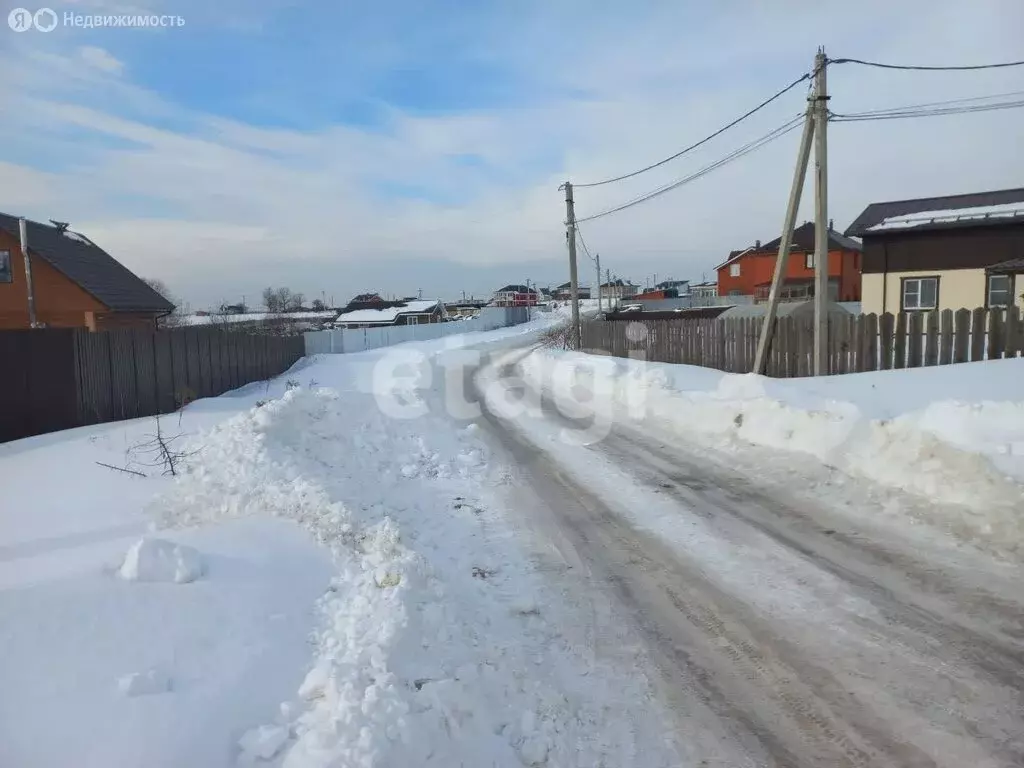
(618, 289)
(955, 252)
(414, 312)
(515, 296)
(705, 290)
(76, 284)
(563, 292)
(748, 272)
(366, 301)
(682, 287)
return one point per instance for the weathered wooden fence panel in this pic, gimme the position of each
(1014, 332)
(931, 340)
(55, 379)
(855, 343)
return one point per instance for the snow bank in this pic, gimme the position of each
(954, 446)
(422, 657)
(151, 559)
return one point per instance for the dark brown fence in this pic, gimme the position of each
(56, 379)
(855, 342)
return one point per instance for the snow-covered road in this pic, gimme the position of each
(785, 630)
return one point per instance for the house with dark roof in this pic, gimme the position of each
(75, 282)
(749, 271)
(411, 312)
(563, 292)
(618, 289)
(954, 252)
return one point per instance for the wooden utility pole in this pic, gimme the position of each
(597, 258)
(820, 215)
(574, 286)
(795, 193)
(23, 233)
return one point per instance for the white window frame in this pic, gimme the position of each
(7, 275)
(809, 260)
(917, 282)
(1009, 290)
(734, 269)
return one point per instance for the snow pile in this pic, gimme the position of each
(151, 559)
(424, 656)
(957, 449)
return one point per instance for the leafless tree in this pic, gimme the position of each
(175, 318)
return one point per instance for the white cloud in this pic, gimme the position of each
(100, 59)
(228, 207)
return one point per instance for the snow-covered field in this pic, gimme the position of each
(951, 434)
(323, 584)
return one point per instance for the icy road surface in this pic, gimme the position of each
(784, 632)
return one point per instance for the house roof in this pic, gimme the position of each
(803, 240)
(515, 289)
(953, 211)
(388, 314)
(89, 266)
(617, 282)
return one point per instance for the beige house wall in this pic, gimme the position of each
(958, 289)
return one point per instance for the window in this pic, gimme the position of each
(5, 267)
(1000, 290)
(735, 292)
(734, 269)
(809, 260)
(920, 293)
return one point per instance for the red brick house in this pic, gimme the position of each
(749, 272)
(75, 282)
(515, 296)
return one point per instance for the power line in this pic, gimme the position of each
(746, 149)
(896, 115)
(927, 68)
(948, 102)
(586, 250)
(723, 129)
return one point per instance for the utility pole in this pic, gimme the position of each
(23, 232)
(574, 286)
(796, 191)
(820, 215)
(597, 286)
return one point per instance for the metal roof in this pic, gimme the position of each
(876, 213)
(89, 266)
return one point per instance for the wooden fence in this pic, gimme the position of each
(855, 342)
(59, 378)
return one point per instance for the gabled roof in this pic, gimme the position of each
(950, 212)
(803, 240)
(515, 289)
(89, 266)
(389, 314)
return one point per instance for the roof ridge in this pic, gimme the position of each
(946, 197)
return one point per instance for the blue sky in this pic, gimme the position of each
(401, 146)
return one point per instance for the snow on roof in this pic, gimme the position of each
(389, 314)
(1005, 210)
